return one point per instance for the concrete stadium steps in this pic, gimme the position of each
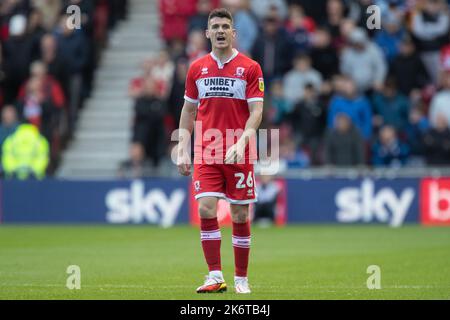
(103, 132)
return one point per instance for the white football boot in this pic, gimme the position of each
(241, 285)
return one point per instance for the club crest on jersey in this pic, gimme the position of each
(239, 72)
(261, 84)
(197, 185)
(204, 71)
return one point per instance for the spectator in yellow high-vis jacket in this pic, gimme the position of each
(25, 153)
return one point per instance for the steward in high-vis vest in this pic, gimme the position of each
(25, 154)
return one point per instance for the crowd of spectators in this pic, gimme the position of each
(341, 93)
(47, 64)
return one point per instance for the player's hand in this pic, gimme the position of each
(184, 163)
(235, 153)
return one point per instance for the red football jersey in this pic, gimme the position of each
(222, 92)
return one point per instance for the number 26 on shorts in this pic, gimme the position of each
(241, 176)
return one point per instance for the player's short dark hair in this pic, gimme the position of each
(220, 13)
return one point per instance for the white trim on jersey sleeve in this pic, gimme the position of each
(255, 99)
(190, 99)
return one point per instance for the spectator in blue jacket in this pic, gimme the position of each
(389, 151)
(391, 107)
(390, 36)
(356, 106)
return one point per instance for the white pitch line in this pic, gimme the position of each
(124, 286)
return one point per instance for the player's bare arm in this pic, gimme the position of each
(187, 119)
(237, 151)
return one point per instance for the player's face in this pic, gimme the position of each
(220, 32)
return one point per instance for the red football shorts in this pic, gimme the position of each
(232, 182)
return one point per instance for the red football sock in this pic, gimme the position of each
(211, 240)
(241, 246)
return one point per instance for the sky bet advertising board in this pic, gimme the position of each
(387, 201)
(157, 201)
(165, 202)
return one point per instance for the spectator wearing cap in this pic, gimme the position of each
(430, 27)
(408, 69)
(363, 61)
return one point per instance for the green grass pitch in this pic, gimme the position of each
(293, 262)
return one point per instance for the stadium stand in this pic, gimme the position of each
(47, 64)
(102, 138)
(319, 59)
